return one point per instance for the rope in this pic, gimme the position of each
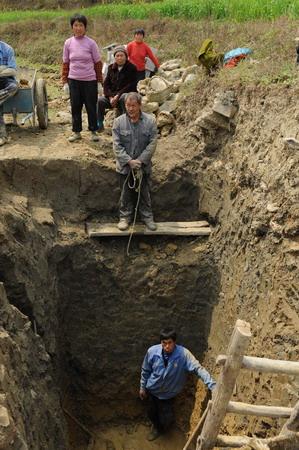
(137, 176)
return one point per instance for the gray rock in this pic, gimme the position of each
(168, 106)
(4, 417)
(271, 207)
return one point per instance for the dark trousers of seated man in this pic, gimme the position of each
(129, 198)
(160, 412)
(104, 103)
(11, 86)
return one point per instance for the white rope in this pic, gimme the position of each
(137, 181)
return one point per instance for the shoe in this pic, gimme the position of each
(94, 136)
(100, 127)
(153, 434)
(150, 224)
(75, 137)
(3, 140)
(123, 224)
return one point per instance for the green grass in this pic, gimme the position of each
(237, 10)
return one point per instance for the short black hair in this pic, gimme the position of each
(168, 333)
(78, 18)
(139, 31)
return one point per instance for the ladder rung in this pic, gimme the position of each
(265, 364)
(258, 410)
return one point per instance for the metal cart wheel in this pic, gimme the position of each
(41, 100)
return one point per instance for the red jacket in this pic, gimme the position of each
(137, 52)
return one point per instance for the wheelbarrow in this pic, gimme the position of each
(31, 99)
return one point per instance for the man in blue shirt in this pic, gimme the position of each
(8, 83)
(163, 375)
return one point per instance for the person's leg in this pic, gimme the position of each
(153, 415)
(165, 414)
(145, 204)
(76, 105)
(121, 109)
(127, 197)
(8, 88)
(152, 411)
(90, 98)
(12, 86)
(3, 133)
(140, 75)
(103, 104)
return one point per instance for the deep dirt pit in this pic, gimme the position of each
(94, 312)
(96, 309)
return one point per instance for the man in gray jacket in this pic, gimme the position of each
(134, 143)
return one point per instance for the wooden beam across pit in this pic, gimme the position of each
(199, 228)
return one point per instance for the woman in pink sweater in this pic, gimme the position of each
(81, 73)
(138, 50)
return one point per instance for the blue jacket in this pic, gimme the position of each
(166, 382)
(7, 56)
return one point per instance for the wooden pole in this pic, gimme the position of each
(292, 425)
(197, 428)
(232, 441)
(225, 385)
(275, 443)
(265, 365)
(258, 410)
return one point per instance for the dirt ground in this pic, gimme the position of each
(122, 438)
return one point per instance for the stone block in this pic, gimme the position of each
(228, 111)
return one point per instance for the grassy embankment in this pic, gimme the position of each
(238, 10)
(176, 28)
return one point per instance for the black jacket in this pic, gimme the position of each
(118, 82)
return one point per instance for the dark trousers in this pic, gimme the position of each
(104, 103)
(84, 93)
(160, 413)
(140, 75)
(9, 87)
(128, 198)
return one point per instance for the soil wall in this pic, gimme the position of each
(249, 187)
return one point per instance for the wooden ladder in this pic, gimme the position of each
(221, 403)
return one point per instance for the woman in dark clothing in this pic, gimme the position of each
(121, 79)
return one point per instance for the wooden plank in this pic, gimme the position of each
(110, 229)
(225, 385)
(265, 365)
(198, 426)
(258, 410)
(200, 223)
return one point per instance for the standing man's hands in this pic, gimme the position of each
(142, 394)
(135, 164)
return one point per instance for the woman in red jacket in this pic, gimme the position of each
(138, 50)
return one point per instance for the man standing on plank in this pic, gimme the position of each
(134, 143)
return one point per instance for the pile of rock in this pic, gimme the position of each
(161, 93)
